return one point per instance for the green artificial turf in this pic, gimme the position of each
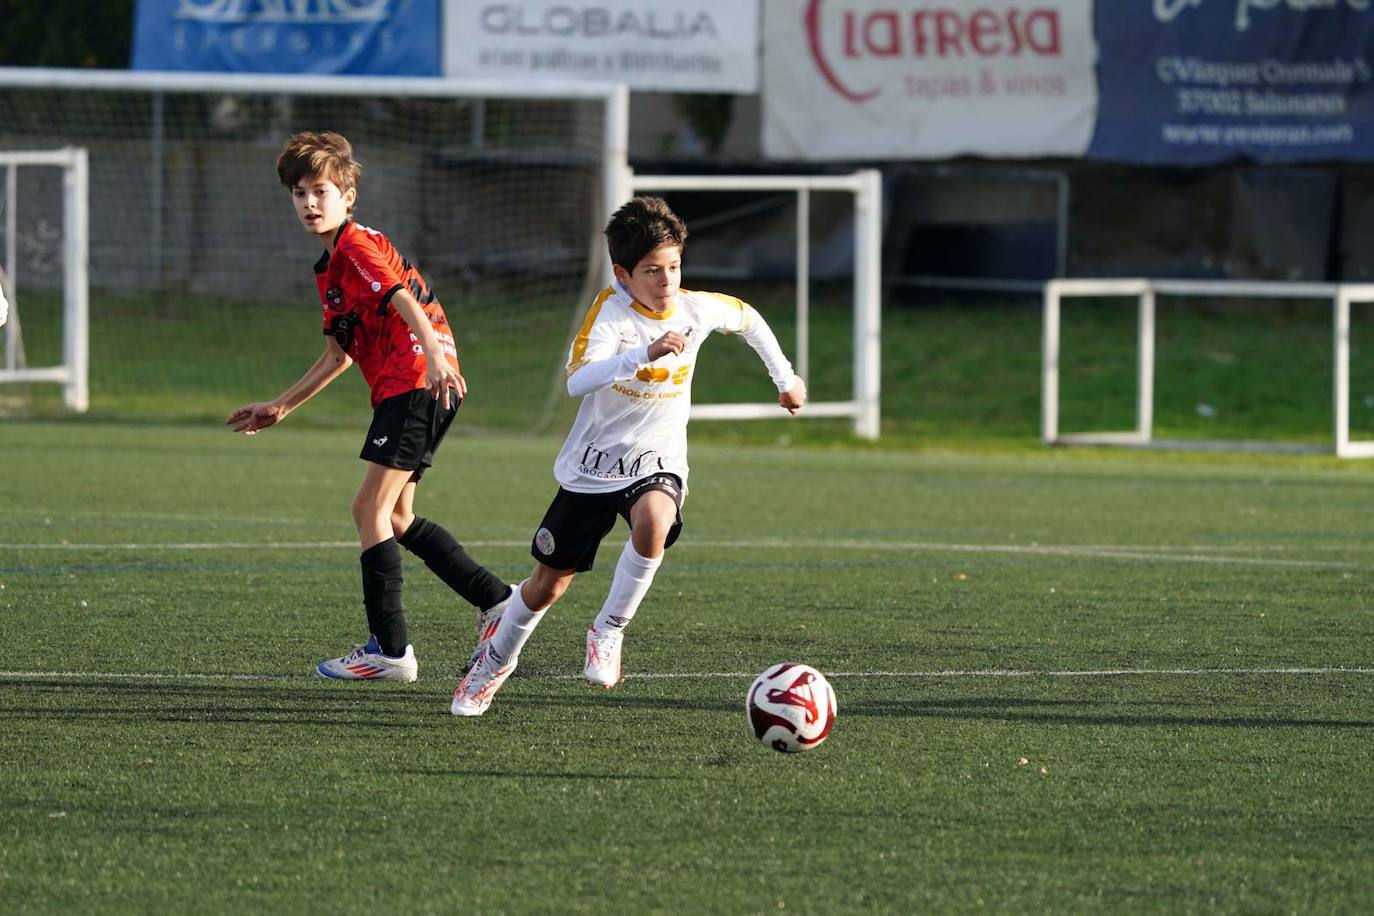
(1068, 681)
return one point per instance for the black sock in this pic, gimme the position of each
(442, 553)
(386, 616)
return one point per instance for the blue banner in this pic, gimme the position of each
(1196, 81)
(376, 37)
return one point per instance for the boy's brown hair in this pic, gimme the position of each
(639, 227)
(325, 155)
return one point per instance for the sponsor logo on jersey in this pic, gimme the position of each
(334, 297)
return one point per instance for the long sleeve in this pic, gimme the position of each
(593, 374)
(760, 336)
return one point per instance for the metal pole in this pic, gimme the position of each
(12, 336)
(868, 303)
(1340, 406)
(804, 283)
(157, 167)
(1049, 367)
(1145, 397)
(76, 305)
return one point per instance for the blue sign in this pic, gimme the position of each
(1198, 81)
(377, 37)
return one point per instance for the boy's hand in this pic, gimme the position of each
(672, 342)
(441, 378)
(793, 398)
(250, 418)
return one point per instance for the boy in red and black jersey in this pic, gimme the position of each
(379, 313)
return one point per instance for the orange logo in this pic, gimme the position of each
(652, 375)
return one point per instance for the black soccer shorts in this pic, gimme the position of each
(576, 523)
(406, 430)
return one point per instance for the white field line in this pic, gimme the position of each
(735, 675)
(1148, 553)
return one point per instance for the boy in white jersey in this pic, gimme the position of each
(632, 364)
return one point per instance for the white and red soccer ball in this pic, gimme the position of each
(791, 707)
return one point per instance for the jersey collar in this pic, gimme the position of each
(323, 263)
(643, 309)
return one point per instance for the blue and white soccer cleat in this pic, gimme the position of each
(367, 663)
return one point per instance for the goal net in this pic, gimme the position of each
(202, 293)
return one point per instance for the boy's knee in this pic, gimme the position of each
(400, 523)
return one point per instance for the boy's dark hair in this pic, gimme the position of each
(325, 155)
(639, 227)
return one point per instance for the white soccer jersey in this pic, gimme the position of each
(633, 417)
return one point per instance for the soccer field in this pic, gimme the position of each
(1092, 681)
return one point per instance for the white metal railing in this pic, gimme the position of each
(74, 371)
(1144, 291)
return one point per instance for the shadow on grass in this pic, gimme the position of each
(98, 700)
(597, 776)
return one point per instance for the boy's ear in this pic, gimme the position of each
(350, 196)
(620, 273)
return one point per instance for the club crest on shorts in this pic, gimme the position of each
(543, 539)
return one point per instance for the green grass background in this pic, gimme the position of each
(952, 372)
(166, 587)
(149, 571)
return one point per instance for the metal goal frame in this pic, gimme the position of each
(1144, 291)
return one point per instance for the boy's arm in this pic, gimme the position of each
(594, 363)
(757, 333)
(250, 418)
(440, 376)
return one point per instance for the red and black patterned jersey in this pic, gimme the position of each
(356, 284)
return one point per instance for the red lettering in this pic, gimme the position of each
(950, 31)
(885, 22)
(1014, 26)
(984, 28)
(1042, 32)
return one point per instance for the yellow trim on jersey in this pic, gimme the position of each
(650, 313)
(577, 358)
(737, 303)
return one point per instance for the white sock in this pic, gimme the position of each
(517, 623)
(633, 576)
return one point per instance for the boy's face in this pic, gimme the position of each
(321, 206)
(655, 280)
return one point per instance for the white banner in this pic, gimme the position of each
(666, 45)
(903, 79)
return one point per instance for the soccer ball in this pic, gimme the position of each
(790, 707)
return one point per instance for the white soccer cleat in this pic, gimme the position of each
(603, 657)
(485, 627)
(474, 694)
(367, 663)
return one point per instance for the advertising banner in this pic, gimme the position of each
(379, 37)
(1196, 81)
(666, 45)
(916, 79)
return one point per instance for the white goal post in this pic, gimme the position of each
(866, 187)
(1144, 291)
(73, 372)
